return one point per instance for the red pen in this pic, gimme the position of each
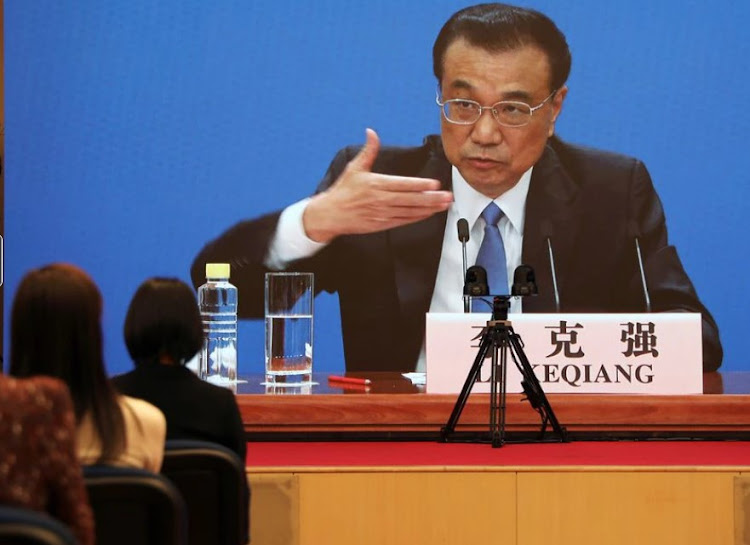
(350, 380)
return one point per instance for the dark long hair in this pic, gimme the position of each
(56, 331)
(163, 323)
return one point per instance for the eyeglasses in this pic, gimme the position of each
(508, 113)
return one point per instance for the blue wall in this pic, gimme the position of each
(137, 130)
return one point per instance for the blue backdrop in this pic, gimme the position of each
(138, 130)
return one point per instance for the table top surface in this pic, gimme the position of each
(732, 383)
(387, 408)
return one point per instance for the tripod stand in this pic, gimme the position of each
(499, 338)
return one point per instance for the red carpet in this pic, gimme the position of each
(626, 453)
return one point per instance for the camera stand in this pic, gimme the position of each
(498, 340)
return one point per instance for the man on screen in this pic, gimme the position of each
(381, 227)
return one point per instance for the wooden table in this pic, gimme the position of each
(394, 408)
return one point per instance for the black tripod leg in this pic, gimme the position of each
(498, 389)
(476, 367)
(503, 390)
(533, 389)
(495, 376)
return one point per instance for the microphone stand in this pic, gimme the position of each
(463, 237)
(467, 301)
(499, 340)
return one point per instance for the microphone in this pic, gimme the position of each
(633, 232)
(476, 281)
(546, 233)
(524, 281)
(463, 236)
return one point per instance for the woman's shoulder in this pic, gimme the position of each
(202, 389)
(146, 431)
(146, 413)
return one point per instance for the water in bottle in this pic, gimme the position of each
(217, 299)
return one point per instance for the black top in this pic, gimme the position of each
(194, 409)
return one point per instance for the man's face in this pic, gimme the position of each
(489, 156)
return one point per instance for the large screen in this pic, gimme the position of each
(138, 130)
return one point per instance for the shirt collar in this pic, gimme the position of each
(470, 203)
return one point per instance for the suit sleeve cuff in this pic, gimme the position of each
(290, 242)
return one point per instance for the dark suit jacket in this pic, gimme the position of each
(194, 409)
(590, 203)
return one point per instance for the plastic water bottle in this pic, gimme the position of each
(217, 299)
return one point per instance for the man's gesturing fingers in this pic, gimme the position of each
(366, 156)
(361, 201)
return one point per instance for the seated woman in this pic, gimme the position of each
(38, 465)
(163, 331)
(56, 331)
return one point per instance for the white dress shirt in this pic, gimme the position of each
(290, 241)
(468, 203)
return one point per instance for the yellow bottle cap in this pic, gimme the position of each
(217, 270)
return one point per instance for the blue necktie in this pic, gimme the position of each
(492, 251)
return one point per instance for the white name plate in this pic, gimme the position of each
(659, 353)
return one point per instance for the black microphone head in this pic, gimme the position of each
(463, 230)
(476, 281)
(524, 281)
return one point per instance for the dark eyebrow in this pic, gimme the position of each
(461, 84)
(521, 96)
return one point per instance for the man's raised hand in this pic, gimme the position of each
(362, 201)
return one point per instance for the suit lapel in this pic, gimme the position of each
(417, 247)
(552, 209)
